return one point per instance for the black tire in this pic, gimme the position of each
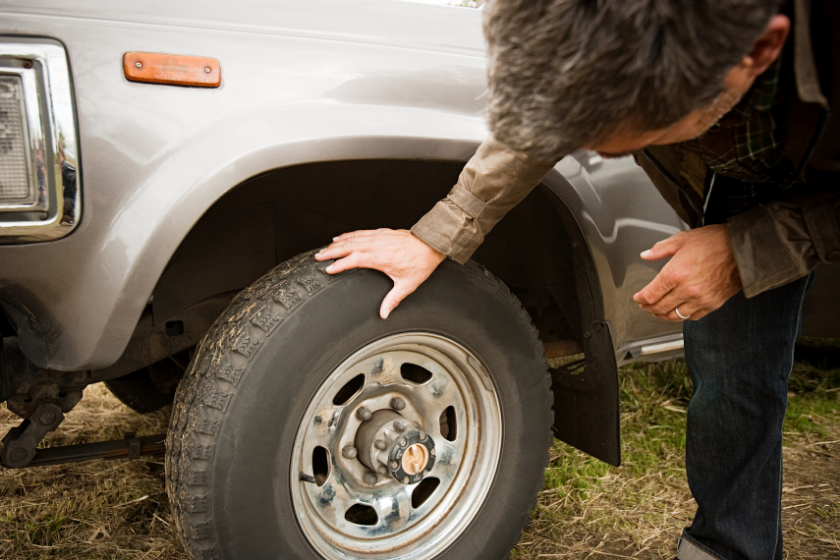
(229, 443)
(138, 391)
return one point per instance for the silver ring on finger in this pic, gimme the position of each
(680, 315)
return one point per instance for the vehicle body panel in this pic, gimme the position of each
(154, 158)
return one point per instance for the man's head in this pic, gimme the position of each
(618, 75)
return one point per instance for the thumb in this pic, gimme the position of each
(394, 297)
(665, 248)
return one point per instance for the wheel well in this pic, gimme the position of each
(274, 216)
(537, 251)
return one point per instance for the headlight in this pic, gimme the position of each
(17, 185)
(39, 191)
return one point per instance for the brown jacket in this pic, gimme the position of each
(774, 243)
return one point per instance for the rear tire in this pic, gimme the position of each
(267, 382)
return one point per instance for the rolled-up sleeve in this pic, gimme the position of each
(778, 242)
(494, 181)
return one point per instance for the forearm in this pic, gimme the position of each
(494, 181)
(786, 239)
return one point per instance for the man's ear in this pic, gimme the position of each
(768, 47)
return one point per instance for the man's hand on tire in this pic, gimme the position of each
(406, 259)
(698, 279)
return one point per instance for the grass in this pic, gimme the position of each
(97, 510)
(587, 509)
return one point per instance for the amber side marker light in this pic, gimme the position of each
(172, 69)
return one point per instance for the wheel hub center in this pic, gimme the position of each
(415, 459)
(389, 445)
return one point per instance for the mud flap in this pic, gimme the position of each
(586, 404)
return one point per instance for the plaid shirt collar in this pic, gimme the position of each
(747, 144)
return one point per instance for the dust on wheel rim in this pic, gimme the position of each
(447, 396)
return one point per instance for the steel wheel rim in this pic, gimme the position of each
(465, 466)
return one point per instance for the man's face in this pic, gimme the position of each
(627, 140)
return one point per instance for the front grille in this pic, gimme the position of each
(15, 185)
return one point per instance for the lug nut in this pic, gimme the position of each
(363, 414)
(405, 480)
(402, 441)
(349, 452)
(379, 444)
(370, 478)
(383, 470)
(432, 452)
(397, 404)
(394, 465)
(422, 435)
(399, 425)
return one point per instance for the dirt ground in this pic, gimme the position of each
(119, 509)
(614, 525)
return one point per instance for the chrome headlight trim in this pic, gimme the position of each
(52, 139)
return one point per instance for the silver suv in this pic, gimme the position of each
(167, 170)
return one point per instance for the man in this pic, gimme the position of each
(725, 104)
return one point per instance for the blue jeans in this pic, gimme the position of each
(740, 358)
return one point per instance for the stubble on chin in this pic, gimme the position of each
(716, 110)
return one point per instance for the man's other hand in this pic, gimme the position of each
(698, 279)
(397, 253)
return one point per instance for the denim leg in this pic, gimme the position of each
(740, 358)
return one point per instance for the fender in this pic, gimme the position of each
(115, 260)
(154, 158)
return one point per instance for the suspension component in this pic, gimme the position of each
(20, 443)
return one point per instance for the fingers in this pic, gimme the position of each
(691, 307)
(659, 287)
(343, 244)
(665, 293)
(698, 314)
(334, 251)
(362, 242)
(688, 298)
(665, 304)
(691, 302)
(328, 253)
(354, 260)
(406, 259)
(665, 248)
(395, 296)
(688, 311)
(700, 277)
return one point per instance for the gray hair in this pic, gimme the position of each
(566, 73)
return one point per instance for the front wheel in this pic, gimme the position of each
(307, 427)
